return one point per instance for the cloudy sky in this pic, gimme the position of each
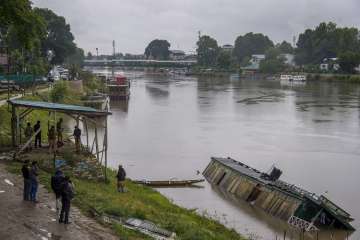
(134, 23)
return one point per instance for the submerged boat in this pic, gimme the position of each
(170, 183)
(298, 207)
(119, 88)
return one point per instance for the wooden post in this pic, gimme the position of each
(96, 143)
(87, 134)
(106, 146)
(284, 234)
(13, 125)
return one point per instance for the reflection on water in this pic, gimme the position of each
(171, 127)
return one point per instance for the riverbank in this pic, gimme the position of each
(25, 220)
(139, 202)
(351, 78)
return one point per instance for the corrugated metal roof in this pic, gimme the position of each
(59, 107)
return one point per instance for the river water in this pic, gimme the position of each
(171, 126)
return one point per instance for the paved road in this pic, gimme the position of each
(25, 220)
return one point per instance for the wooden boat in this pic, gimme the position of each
(170, 183)
(298, 207)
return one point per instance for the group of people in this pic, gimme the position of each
(60, 184)
(53, 133)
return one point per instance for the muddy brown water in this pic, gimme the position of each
(171, 126)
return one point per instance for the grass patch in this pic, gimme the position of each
(143, 203)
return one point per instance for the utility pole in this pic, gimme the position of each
(113, 61)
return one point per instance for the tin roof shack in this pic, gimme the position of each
(300, 208)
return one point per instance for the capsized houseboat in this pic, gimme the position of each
(119, 87)
(300, 208)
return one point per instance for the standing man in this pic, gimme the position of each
(56, 184)
(34, 172)
(28, 134)
(52, 139)
(37, 136)
(59, 131)
(121, 179)
(27, 182)
(77, 136)
(67, 194)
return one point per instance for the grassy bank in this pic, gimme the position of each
(355, 78)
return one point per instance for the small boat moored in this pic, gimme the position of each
(170, 183)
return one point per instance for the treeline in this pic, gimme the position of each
(35, 39)
(326, 41)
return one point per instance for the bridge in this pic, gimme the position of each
(138, 63)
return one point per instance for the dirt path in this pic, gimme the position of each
(24, 220)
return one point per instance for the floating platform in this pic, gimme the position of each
(300, 208)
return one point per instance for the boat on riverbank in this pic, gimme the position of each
(98, 101)
(169, 183)
(298, 207)
(119, 88)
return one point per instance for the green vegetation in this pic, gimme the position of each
(326, 41)
(250, 44)
(36, 38)
(207, 51)
(143, 203)
(158, 49)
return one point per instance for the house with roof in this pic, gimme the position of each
(177, 55)
(329, 64)
(228, 48)
(254, 63)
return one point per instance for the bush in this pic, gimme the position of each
(59, 91)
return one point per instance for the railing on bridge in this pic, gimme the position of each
(139, 62)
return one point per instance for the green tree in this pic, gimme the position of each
(348, 61)
(207, 51)
(59, 91)
(158, 49)
(18, 19)
(273, 62)
(250, 44)
(326, 41)
(59, 38)
(285, 47)
(224, 60)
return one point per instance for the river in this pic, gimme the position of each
(171, 126)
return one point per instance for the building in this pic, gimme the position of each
(329, 64)
(289, 59)
(177, 55)
(257, 58)
(228, 48)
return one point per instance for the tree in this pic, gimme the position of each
(59, 91)
(18, 19)
(348, 61)
(207, 51)
(224, 60)
(59, 38)
(158, 49)
(250, 44)
(326, 41)
(285, 47)
(273, 62)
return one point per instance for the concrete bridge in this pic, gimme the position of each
(138, 63)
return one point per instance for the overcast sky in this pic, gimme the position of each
(134, 23)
